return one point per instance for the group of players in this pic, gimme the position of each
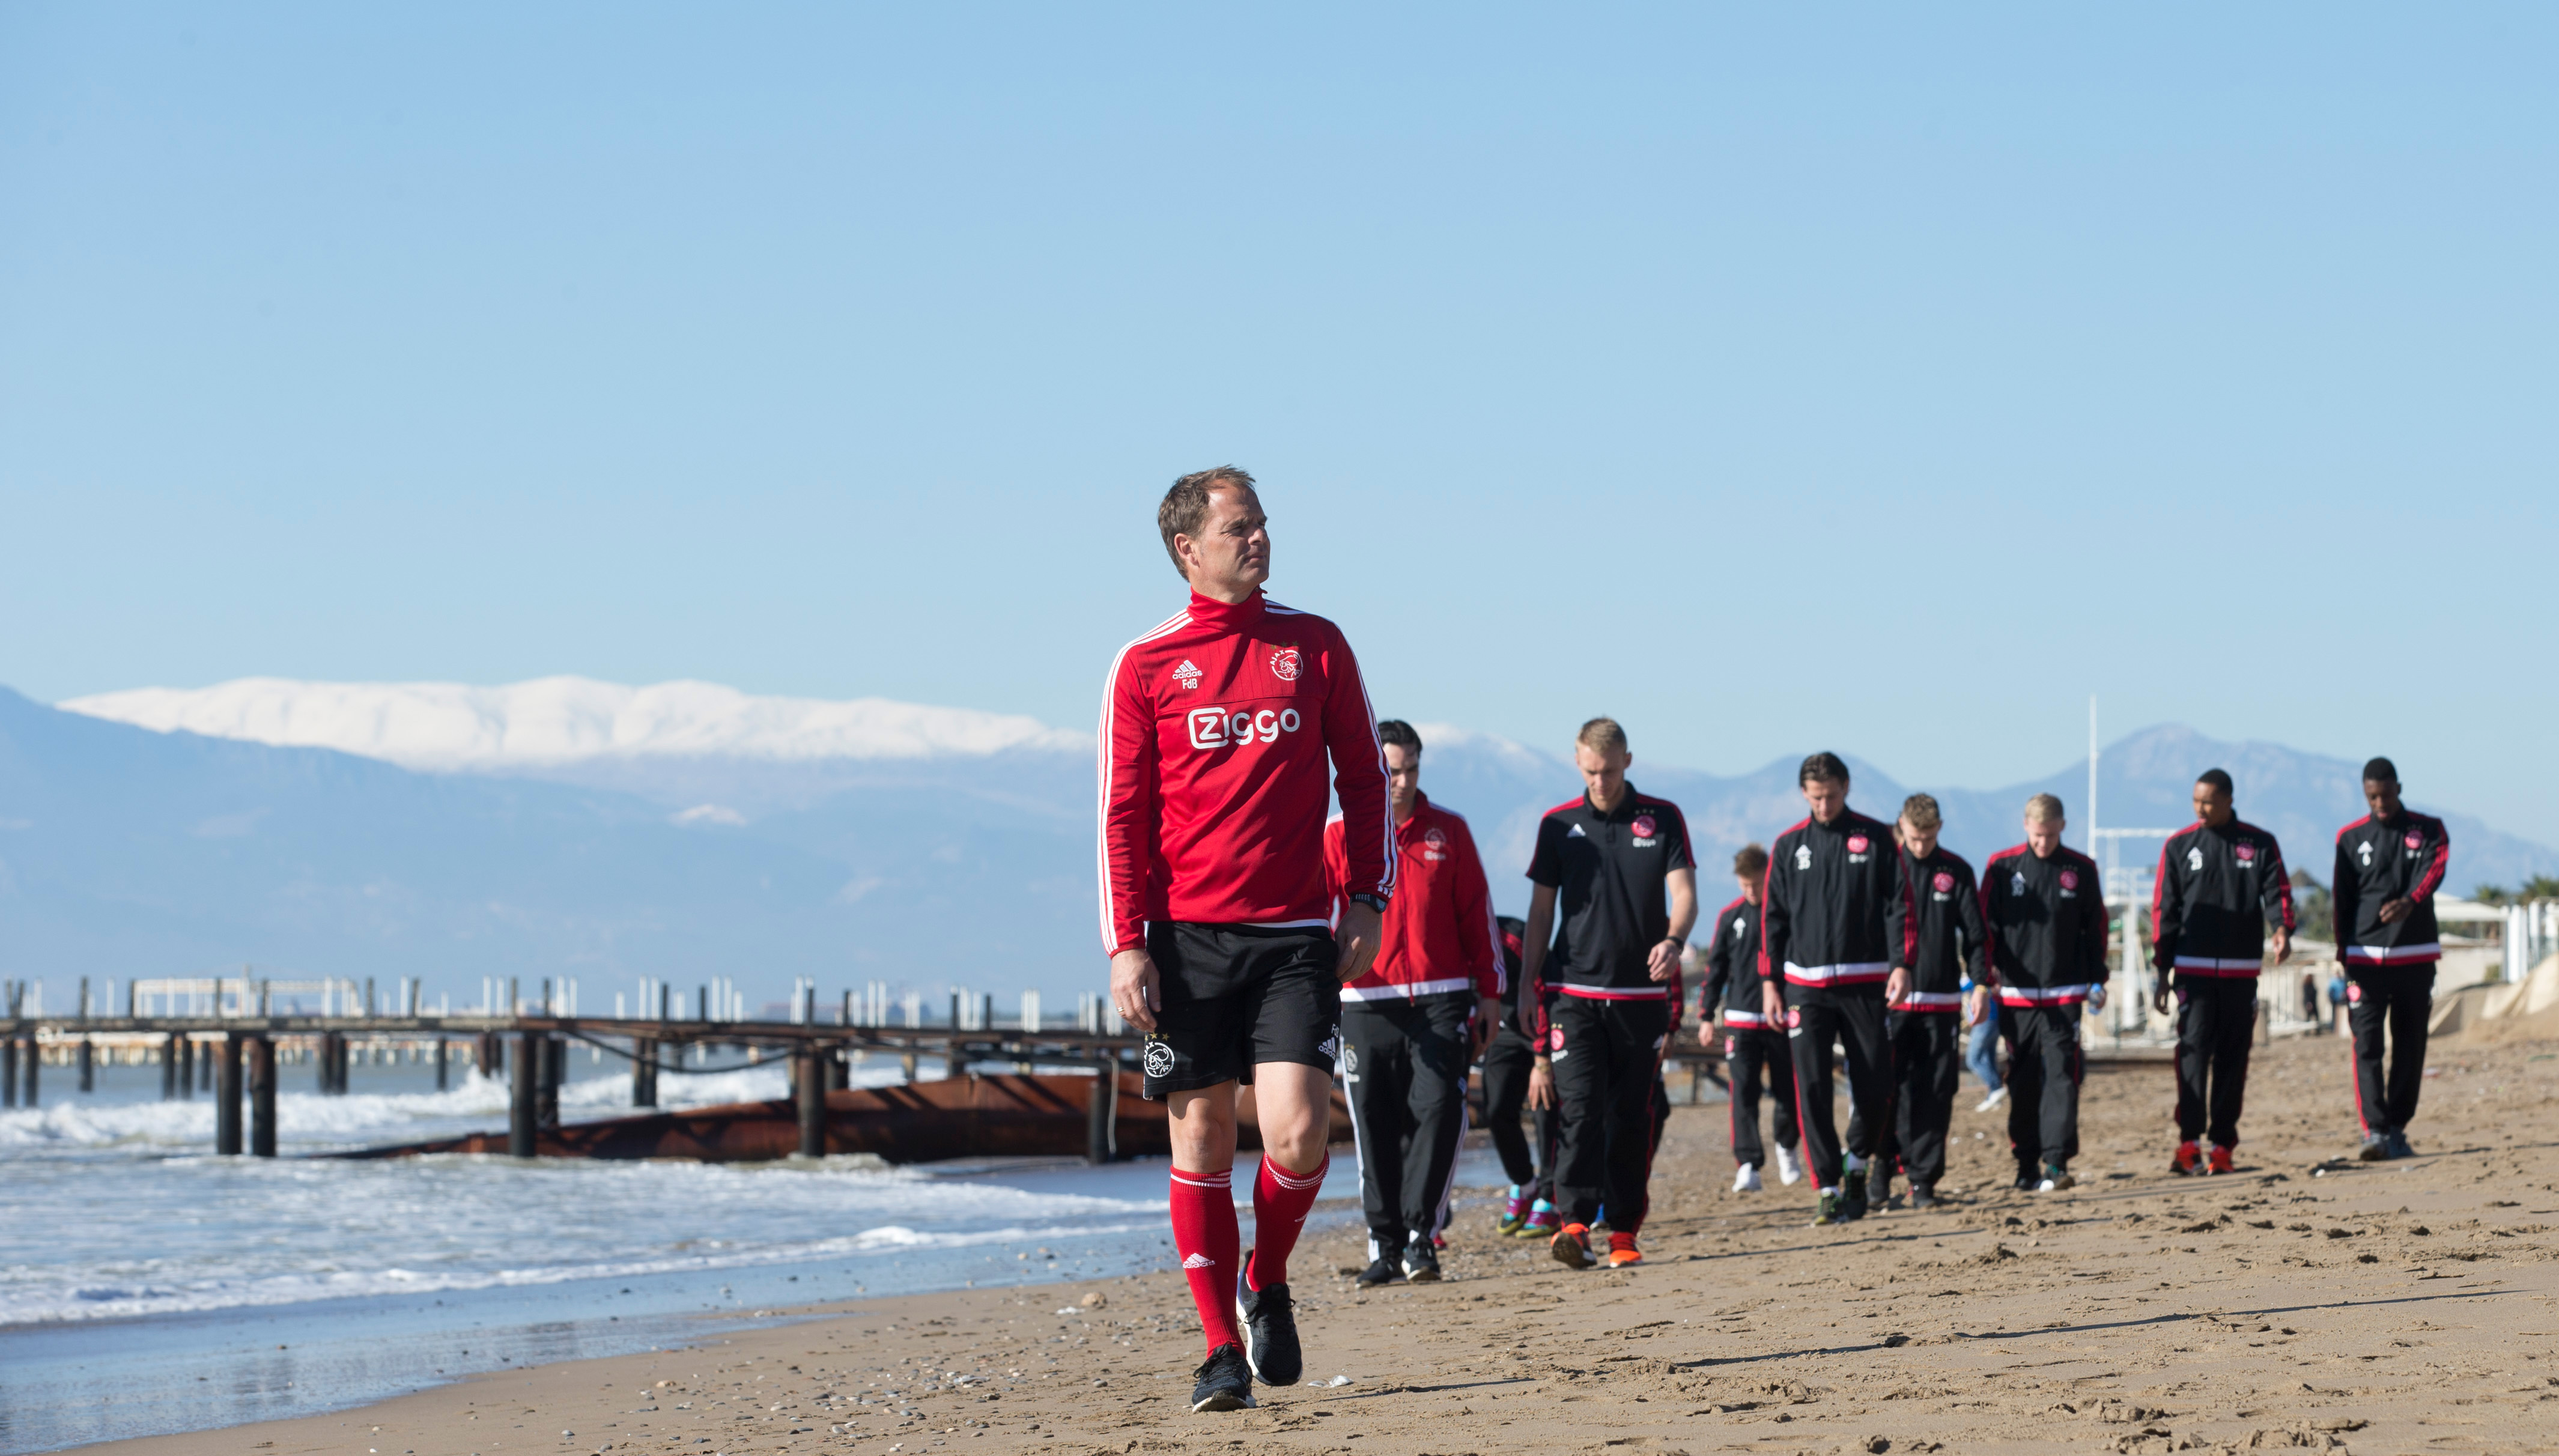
(1255, 941)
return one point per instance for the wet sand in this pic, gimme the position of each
(2302, 1303)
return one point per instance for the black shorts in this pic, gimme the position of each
(1234, 996)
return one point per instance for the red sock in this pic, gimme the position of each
(1280, 1202)
(1205, 1235)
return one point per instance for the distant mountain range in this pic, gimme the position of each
(569, 827)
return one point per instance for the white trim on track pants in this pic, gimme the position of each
(1404, 1074)
(2401, 998)
(1751, 1054)
(2045, 1070)
(1607, 1075)
(1854, 1016)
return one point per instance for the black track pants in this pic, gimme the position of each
(2216, 1022)
(1526, 1163)
(2045, 1070)
(2398, 998)
(1754, 1056)
(1927, 1055)
(1403, 1072)
(1854, 1016)
(1606, 1074)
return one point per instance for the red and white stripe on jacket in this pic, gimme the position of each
(1216, 729)
(1440, 935)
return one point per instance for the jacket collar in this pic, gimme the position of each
(1626, 807)
(1242, 617)
(1420, 810)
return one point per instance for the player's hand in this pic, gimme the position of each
(1977, 1006)
(1360, 934)
(2096, 999)
(1897, 987)
(2159, 995)
(1541, 1087)
(1488, 1019)
(2394, 911)
(1134, 988)
(1772, 1006)
(2283, 945)
(1664, 962)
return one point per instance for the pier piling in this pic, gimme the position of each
(644, 1072)
(8, 1072)
(87, 1066)
(839, 1068)
(809, 1079)
(554, 1070)
(168, 1068)
(520, 1105)
(443, 1076)
(33, 1061)
(227, 1098)
(262, 1098)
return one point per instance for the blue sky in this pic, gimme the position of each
(1845, 376)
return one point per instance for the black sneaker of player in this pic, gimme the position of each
(1270, 1325)
(1852, 1204)
(1225, 1382)
(1381, 1270)
(1826, 1211)
(1922, 1195)
(1879, 1191)
(2028, 1178)
(2375, 1148)
(2398, 1145)
(1422, 1261)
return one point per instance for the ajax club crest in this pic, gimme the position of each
(1160, 1059)
(1285, 664)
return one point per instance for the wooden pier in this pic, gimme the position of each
(232, 1053)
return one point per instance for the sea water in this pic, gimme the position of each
(148, 1286)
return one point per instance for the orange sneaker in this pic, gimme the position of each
(2189, 1159)
(1622, 1250)
(2219, 1162)
(1571, 1246)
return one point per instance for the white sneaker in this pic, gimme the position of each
(1790, 1171)
(1998, 1096)
(1745, 1179)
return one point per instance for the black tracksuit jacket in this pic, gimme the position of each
(2215, 891)
(2048, 926)
(1936, 923)
(1733, 967)
(1822, 916)
(2381, 860)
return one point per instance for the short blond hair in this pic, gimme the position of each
(2045, 806)
(1601, 735)
(1920, 809)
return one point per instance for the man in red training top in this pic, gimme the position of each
(2220, 881)
(1413, 1024)
(2389, 864)
(1216, 729)
(2046, 906)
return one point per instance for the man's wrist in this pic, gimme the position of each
(1373, 901)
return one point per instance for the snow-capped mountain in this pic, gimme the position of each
(549, 721)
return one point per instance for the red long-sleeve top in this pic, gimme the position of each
(1439, 934)
(1216, 728)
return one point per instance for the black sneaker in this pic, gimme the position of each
(1381, 1270)
(1422, 1261)
(2028, 1178)
(1922, 1195)
(1852, 1204)
(1826, 1211)
(1225, 1382)
(2375, 1148)
(1878, 1190)
(1270, 1326)
(2397, 1145)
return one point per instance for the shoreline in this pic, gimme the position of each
(2296, 1303)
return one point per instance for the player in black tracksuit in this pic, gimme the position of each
(1528, 1163)
(1831, 882)
(1622, 889)
(2389, 864)
(1937, 927)
(2220, 881)
(1753, 1050)
(2047, 908)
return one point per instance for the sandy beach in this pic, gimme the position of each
(2304, 1302)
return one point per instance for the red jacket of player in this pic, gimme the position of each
(1214, 731)
(1439, 933)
